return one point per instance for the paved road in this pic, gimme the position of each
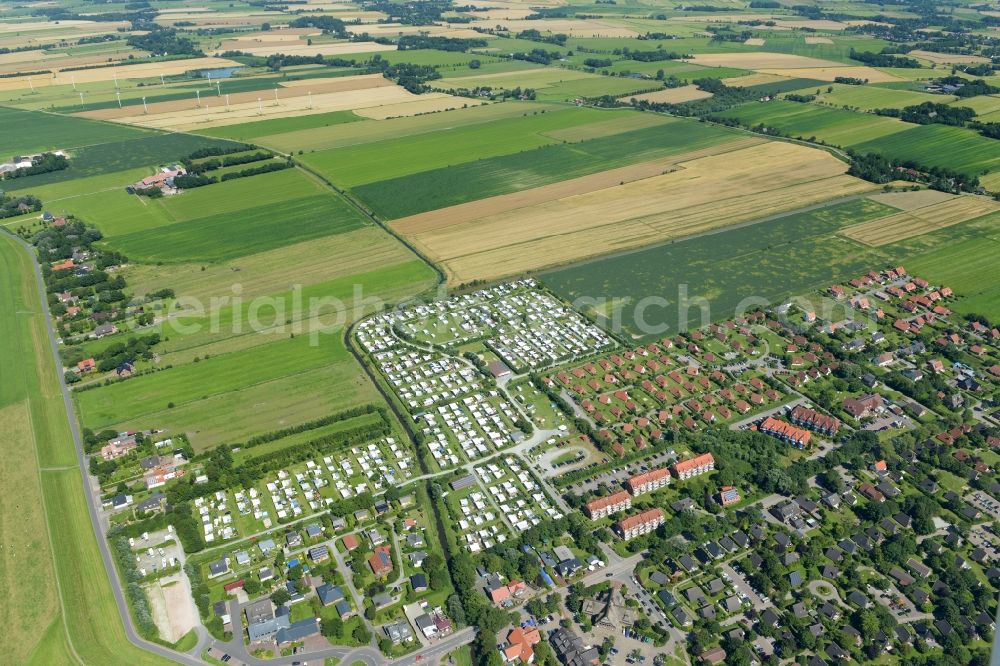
(93, 503)
(743, 586)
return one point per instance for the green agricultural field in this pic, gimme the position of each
(58, 603)
(32, 131)
(103, 201)
(231, 396)
(871, 97)
(963, 150)
(745, 267)
(229, 235)
(254, 130)
(367, 163)
(835, 126)
(615, 86)
(337, 136)
(500, 175)
(962, 257)
(148, 150)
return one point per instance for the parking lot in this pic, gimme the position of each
(617, 477)
(985, 503)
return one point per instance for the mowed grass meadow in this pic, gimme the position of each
(235, 395)
(834, 126)
(392, 158)
(448, 186)
(58, 607)
(766, 261)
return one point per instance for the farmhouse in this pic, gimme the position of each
(685, 469)
(120, 446)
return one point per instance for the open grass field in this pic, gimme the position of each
(870, 97)
(436, 188)
(223, 236)
(962, 257)
(308, 262)
(956, 148)
(685, 202)
(32, 131)
(253, 130)
(231, 396)
(835, 126)
(393, 158)
(58, 603)
(918, 221)
(742, 267)
(367, 131)
(147, 150)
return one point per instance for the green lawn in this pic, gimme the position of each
(58, 603)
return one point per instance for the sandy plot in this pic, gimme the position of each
(948, 58)
(919, 221)
(427, 103)
(818, 40)
(753, 80)
(706, 193)
(302, 48)
(140, 71)
(911, 200)
(755, 41)
(172, 607)
(316, 87)
(576, 28)
(670, 95)
(760, 60)
(214, 113)
(830, 73)
(505, 203)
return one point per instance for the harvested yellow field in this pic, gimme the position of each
(814, 25)
(948, 58)
(56, 61)
(818, 40)
(830, 73)
(919, 221)
(703, 194)
(491, 206)
(670, 95)
(139, 71)
(395, 29)
(302, 48)
(761, 60)
(607, 127)
(427, 103)
(214, 113)
(574, 28)
(911, 200)
(753, 80)
(316, 86)
(755, 41)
